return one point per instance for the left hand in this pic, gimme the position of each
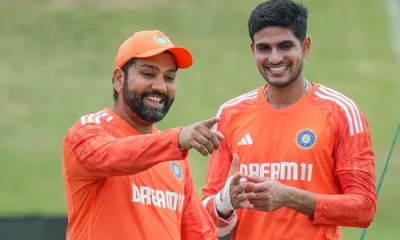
(227, 199)
(266, 194)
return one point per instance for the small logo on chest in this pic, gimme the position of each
(245, 140)
(306, 138)
(176, 169)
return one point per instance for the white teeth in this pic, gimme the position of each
(156, 99)
(278, 69)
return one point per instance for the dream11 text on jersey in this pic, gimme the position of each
(279, 170)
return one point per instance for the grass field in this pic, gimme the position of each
(56, 62)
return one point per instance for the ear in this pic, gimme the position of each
(252, 47)
(306, 46)
(119, 77)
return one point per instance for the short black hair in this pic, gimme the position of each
(279, 13)
(125, 69)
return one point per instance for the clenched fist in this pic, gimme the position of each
(200, 137)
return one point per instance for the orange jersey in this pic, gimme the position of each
(320, 144)
(122, 185)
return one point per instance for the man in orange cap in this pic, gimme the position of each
(124, 179)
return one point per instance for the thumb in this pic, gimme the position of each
(234, 165)
(210, 122)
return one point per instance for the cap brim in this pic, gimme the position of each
(183, 57)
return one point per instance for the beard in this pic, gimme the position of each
(135, 102)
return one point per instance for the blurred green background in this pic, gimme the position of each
(56, 62)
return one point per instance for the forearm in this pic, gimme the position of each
(301, 201)
(355, 207)
(129, 155)
(224, 222)
(351, 210)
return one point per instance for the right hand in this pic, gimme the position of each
(200, 136)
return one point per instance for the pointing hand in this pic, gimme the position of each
(200, 136)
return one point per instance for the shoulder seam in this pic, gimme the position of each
(245, 95)
(347, 105)
(95, 117)
(234, 101)
(91, 120)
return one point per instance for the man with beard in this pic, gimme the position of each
(124, 179)
(299, 153)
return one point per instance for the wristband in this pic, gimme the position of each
(223, 198)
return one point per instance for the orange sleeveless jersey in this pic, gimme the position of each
(123, 185)
(321, 144)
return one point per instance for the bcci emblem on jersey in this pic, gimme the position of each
(176, 169)
(306, 139)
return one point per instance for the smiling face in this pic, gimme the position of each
(279, 55)
(148, 89)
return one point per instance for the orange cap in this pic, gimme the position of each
(150, 43)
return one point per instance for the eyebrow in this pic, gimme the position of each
(286, 41)
(157, 68)
(279, 43)
(150, 66)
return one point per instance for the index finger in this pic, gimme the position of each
(210, 122)
(255, 178)
(259, 187)
(244, 187)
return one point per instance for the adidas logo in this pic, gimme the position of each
(246, 140)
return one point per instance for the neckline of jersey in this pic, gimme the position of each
(297, 106)
(122, 125)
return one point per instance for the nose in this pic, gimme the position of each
(275, 57)
(159, 85)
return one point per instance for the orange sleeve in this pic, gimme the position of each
(219, 163)
(355, 170)
(217, 174)
(101, 154)
(196, 223)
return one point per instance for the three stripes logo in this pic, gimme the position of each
(95, 118)
(349, 107)
(246, 140)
